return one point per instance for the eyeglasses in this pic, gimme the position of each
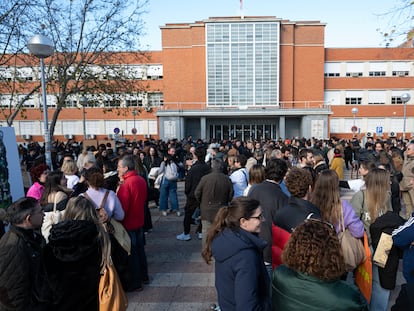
(260, 217)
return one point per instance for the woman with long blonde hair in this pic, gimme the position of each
(375, 200)
(78, 248)
(370, 204)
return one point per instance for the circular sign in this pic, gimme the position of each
(116, 130)
(354, 129)
(134, 131)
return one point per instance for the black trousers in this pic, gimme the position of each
(189, 209)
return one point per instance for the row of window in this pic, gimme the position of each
(395, 100)
(370, 74)
(133, 72)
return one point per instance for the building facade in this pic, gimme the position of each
(246, 78)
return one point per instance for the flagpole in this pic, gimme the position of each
(241, 9)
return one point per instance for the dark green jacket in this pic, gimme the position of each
(293, 291)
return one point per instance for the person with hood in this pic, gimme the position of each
(242, 281)
(78, 248)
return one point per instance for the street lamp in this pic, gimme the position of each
(84, 102)
(134, 130)
(354, 112)
(405, 98)
(42, 47)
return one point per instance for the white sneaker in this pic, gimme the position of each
(164, 213)
(183, 237)
(178, 213)
(200, 235)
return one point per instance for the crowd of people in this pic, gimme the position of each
(269, 214)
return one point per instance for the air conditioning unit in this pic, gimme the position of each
(401, 73)
(90, 136)
(369, 134)
(393, 134)
(354, 74)
(111, 136)
(68, 136)
(148, 108)
(27, 137)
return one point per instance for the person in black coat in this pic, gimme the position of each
(78, 248)
(194, 175)
(271, 198)
(21, 256)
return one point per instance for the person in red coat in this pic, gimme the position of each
(132, 193)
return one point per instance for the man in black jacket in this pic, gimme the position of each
(21, 256)
(271, 198)
(197, 170)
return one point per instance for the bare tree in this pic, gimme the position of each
(398, 23)
(93, 38)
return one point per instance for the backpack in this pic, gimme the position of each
(171, 171)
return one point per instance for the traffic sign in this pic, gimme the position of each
(379, 130)
(116, 130)
(354, 129)
(134, 131)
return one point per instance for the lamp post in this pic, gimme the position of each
(42, 47)
(134, 130)
(354, 112)
(405, 98)
(84, 102)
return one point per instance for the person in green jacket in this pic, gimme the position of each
(309, 278)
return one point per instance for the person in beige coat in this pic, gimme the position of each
(406, 187)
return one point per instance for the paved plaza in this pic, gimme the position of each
(180, 280)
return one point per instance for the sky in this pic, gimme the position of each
(351, 23)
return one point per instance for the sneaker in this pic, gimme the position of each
(199, 235)
(183, 237)
(164, 213)
(178, 213)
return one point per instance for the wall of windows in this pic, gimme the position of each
(242, 64)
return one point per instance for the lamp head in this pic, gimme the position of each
(41, 46)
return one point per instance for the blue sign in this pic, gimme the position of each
(116, 130)
(379, 129)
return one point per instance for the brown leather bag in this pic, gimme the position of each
(111, 294)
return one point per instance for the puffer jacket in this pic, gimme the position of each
(242, 281)
(21, 255)
(72, 261)
(295, 291)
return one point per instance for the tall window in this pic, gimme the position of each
(242, 64)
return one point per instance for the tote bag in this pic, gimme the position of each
(352, 248)
(51, 218)
(363, 274)
(111, 294)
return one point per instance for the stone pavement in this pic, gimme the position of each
(179, 277)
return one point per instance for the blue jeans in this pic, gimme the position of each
(168, 191)
(380, 296)
(137, 261)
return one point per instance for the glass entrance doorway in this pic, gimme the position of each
(243, 131)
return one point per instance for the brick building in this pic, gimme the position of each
(253, 77)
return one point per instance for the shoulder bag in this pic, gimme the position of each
(352, 248)
(51, 218)
(111, 294)
(363, 274)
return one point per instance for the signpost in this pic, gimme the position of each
(378, 130)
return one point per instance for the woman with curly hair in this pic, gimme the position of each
(309, 279)
(242, 281)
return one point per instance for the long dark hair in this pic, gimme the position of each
(229, 217)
